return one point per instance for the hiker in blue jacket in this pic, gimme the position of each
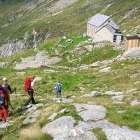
(58, 90)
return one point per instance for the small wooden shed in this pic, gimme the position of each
(133, 41)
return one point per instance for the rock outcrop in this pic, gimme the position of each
(64, 129)
(91, 112)
(39, 60)
(12, 48)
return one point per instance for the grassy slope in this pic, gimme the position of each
(77, 83)
(71, 20)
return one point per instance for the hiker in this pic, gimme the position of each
(8, 90)
(3, 104)
(58, 90)
(6, 85)
(28, 87)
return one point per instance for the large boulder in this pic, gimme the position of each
(64, 129)
(59, 127)
(91, 112)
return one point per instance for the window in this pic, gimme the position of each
(121, 38)
(114, 38)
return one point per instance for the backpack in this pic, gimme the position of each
(7, 87)
(58, 87)
(27, 83)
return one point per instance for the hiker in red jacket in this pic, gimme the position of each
(3, 104)
(28, 87)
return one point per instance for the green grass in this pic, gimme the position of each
(99, 54)
(12, 132)
(99, 134)
(129, 118)
(42, 137)
(62, 45)
(71, 111)
(89, 79)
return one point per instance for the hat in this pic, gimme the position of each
(4, 79)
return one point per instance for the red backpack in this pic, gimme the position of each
(27, 83)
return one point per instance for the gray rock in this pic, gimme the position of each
(31, 118)
(96, 64)
(104, 63)
(85, 126)
(63, 129)
(91, 112)
(63, 111)
(89, 47)
(105, 70)
(63, 100)
(66, 101)
(93, 94)
(60, 127)
(115, 132)
(41, 59)
(120, 58)
(50, 71)
(118, 98)
(78, 134)
(53, 116)
(135, 103)
(84, 67)
(113, 93)
(32, 108)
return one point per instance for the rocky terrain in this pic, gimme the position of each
(100, 96)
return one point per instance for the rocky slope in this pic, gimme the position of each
(100, 94)
(100, 83)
